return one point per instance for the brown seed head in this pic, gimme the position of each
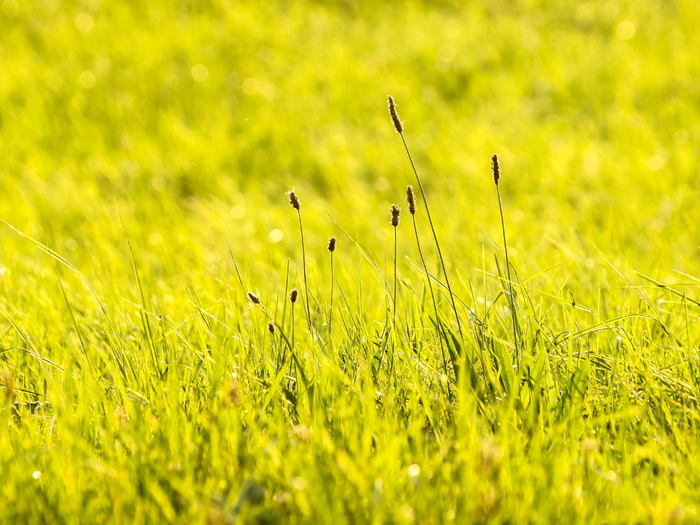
(271, 327)
(331, 244)
(495, 166)
(294, 201)
(395, 212)
(293, 295)
(253, 298)
(394, 115)
(411, 198)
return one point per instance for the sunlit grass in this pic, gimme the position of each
(153, 366)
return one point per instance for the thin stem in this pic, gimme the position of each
(293, 349)
(395, 278)
(510, 281)
(330, 314)
(437, 243)
(303, 261)
(393, 331)
(281, 353)
(432, 296)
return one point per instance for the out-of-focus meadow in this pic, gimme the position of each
(149, 145)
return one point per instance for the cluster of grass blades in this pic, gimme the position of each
(418, 396)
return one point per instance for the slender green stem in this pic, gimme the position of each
(432, 296)
(437, 243)
(293, 347)
(295, 365)
(330, 313)
(395, 277)
(510, 281)
(303, 262)
(393, 329)
(281, 357)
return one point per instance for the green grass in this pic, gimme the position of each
(145, 153)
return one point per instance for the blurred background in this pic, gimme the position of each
(188, 121)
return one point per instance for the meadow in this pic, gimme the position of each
(541, 366)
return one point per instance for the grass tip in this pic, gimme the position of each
(411, 199)
(394, 115)
(395, 215)
(294, 201)
(496, 167)
(332, 242)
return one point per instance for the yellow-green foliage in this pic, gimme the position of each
(145, 152)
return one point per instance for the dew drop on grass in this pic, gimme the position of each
(36, 474)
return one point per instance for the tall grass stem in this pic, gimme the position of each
(514, 314)
(438, 322)
(303, 262)
(435, 237)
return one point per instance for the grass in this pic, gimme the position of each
(145, 156)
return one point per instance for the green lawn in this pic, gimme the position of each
(147, 243)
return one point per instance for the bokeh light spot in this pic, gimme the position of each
(625, 30)
(200, 72)
(251, 86)
(237, 211)
(656, 162)
(85, 23)
(276, 235)
(88, 79)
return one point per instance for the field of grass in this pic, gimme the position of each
(152, 365)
